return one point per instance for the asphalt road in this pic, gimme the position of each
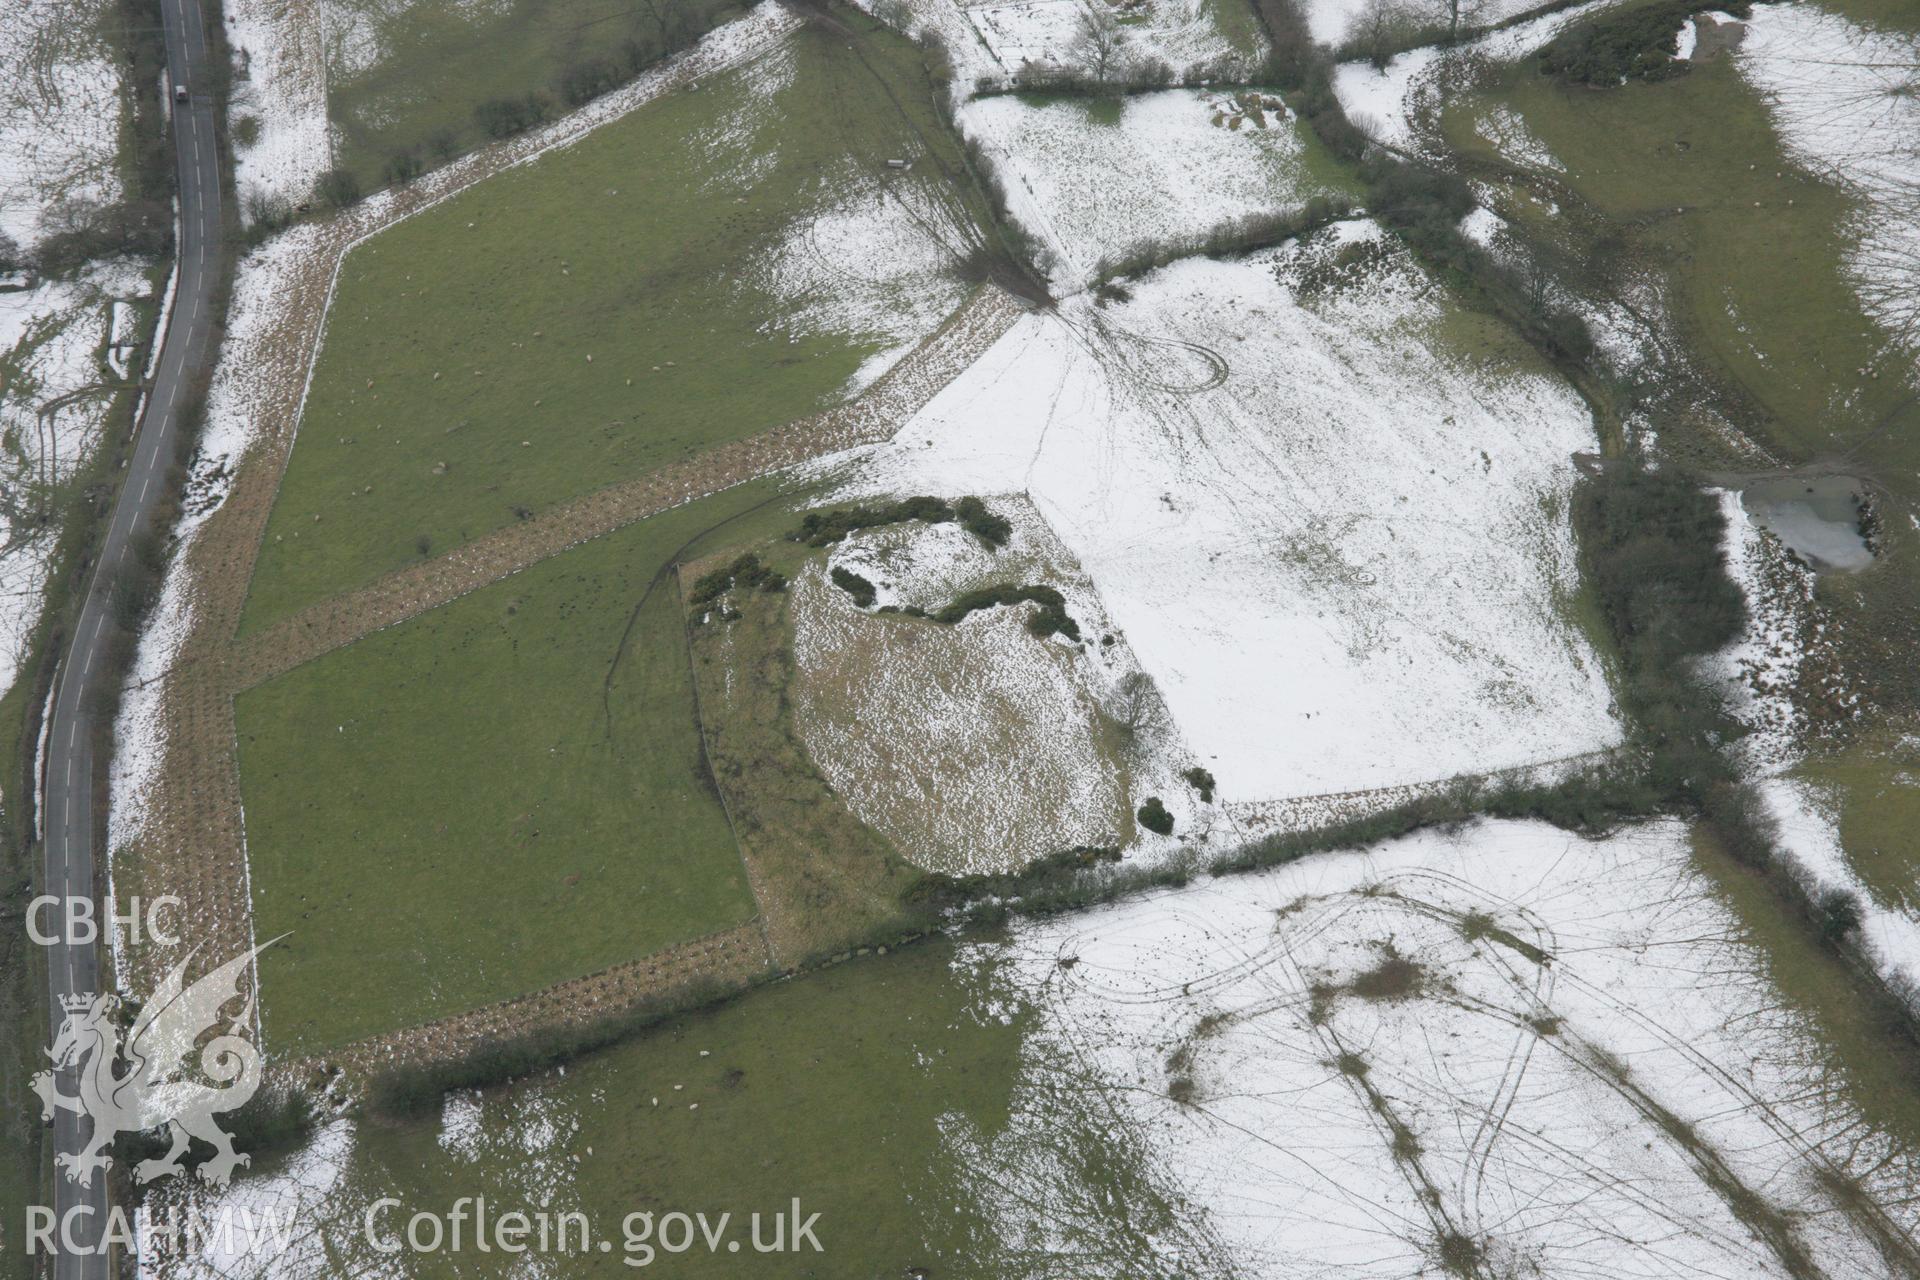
(69, 793)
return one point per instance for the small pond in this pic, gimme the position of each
(1820, 518)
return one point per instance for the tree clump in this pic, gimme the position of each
(746, 572)
(1626, 44)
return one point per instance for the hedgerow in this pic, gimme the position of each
(1625, 44)
(823, 528)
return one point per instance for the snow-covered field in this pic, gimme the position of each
(1335, 21)
(61, 341)
(875, 265)
(1503, 127)
(1499, 1052)
(1846, 99)
(1335, 541)
(281, 83)
(55, 345)
(873, 261)
(1174, 165)
(1036, 33)
(995, 41)
(59, 116)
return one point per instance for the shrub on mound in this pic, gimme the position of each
(854, 585)
(1050, 618)
(981, 523)
(504, 117)
(1154, 817)
(1840, 914)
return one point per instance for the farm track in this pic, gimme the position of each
(733, 958)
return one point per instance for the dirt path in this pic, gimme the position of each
(736, 957)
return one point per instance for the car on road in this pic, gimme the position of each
(180, 92)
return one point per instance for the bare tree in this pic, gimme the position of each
(1100, 46)
(1870, 99)
(1138, 711)
(1458, 13)
(1376, 28)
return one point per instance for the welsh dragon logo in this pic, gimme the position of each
(158, 1086)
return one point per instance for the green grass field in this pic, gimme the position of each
(830, 882)
(590, 316)
(439, 59)
(834, 1089)
(1756, 246)
(1894, 15)
(1875, 785)
(501, 794)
